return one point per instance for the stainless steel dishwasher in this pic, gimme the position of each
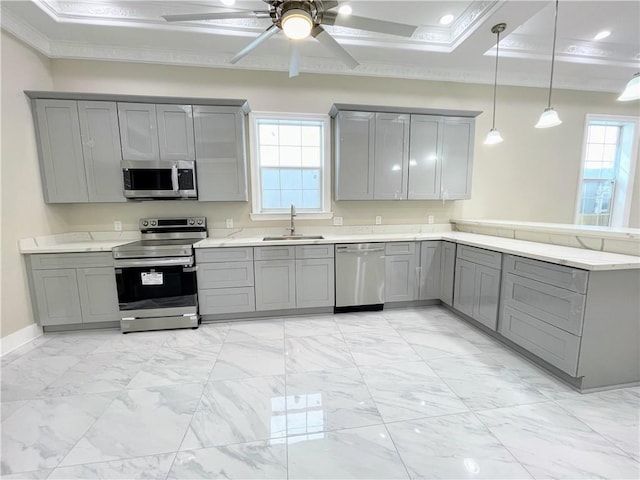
(359, 275)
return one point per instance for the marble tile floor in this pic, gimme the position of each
(411, 393)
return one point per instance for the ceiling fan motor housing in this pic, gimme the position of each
(279, 8)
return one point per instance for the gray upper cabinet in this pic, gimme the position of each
(60, 149)
(139, 131)
(220, 153)
(98, 294)
(430, 264)
(175, 132)
(457, 158)
(354, 137)
(101, 150)
(447, 272)
(391, 156)
(424, 157)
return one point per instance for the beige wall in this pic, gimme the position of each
(24, 213)
(532, 176)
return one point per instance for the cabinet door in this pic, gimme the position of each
(275, 284)
(355, 132)
(98, 294)
(60, 147)
(220, 153)
(430, 259)
(391, 157)
(424, 157)
(175, 132)
(465, 284)
(487, 291)
(101, 149)
(138, 131)
(457, 158)
(315, 283)
(447, 272)
(57, 297)
(400, 280)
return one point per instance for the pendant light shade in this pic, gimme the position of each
(549, 117)
(632, 90)
(494, 136)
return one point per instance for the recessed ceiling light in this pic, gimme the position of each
(228, 2)
(602, 35)
(446, 19)
(345, 10)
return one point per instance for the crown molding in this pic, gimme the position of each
(25, 32)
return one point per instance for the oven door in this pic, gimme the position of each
(159, 180)
(156, 287)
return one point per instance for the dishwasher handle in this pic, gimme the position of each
(356, 250)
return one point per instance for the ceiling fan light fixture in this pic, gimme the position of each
(297, 23)
(549, 118)
(632, 90)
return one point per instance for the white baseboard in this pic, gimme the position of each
(19, 338)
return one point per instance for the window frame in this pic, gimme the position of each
(626, 215)
(256, 190)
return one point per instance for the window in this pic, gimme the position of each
(290, 165)
(609, 157)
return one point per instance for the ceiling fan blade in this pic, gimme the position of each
(369, 24)
(187, 17)
(294, 61)
(338, 50)
(268, 33)
(329, 4)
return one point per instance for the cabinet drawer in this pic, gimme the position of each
(46, 261)
(551, 344)
(314, 251)
(223, 254)
(565, 277)
(400, 248)
(480, 256)
(274, 253)
(225, 275)
(226, 300)
(556, 306)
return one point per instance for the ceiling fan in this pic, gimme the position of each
(298, 19)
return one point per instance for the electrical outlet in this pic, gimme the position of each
(337, 221)
(229, 222)
(430, 219)
(378, 220)
(117, 226)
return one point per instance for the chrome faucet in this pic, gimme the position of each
(292, 228)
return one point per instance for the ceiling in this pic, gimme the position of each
(463, 51)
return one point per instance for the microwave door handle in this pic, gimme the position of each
(174, 177)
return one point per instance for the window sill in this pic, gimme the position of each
(286, 216)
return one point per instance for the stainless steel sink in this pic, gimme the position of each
(293, 237)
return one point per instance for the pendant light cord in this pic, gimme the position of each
(553, 53)
(495, 81)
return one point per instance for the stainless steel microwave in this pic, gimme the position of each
(159, 180)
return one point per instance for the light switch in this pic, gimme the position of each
(337, 221)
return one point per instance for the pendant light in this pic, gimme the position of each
(494, 136)
(549, 117)
(632, 90)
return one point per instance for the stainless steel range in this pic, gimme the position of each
(156, 276)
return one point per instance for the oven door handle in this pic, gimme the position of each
(174, 177)
(154, 262)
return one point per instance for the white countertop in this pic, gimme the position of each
(574, 257)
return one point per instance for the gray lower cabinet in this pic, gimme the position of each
(401, 271)
(477, 286)
(430, 270)
(79, 150)
(275, 284)
(60, 151)
(315, 282)
(71, 288)
(225, 280)
(447, 272)
(220, 153)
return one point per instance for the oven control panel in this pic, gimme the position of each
(173, 223)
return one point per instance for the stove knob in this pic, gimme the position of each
(199, 221)
(153, 223)
(191, 221)
(145, 223)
